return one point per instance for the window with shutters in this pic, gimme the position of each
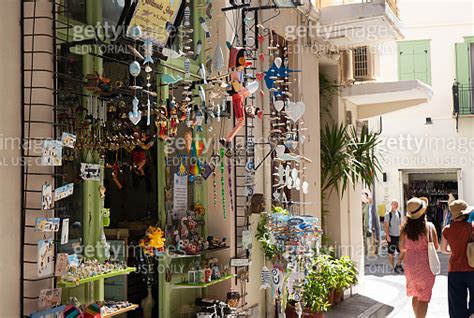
(463, 87)
(414, 61)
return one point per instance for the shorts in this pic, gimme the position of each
(393, 245)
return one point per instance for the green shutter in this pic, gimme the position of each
(406, 62)
(422, 62)
(414, 61)
(462, 63)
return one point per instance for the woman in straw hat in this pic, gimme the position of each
(414, 238)
(460, 274)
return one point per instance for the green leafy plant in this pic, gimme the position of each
(263, 234)
(320, 280)
(345, 273)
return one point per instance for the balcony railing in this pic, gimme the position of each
(393, 4)
(463, 99)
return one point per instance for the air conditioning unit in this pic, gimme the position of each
(364, 63)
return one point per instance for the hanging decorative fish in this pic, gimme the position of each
(204, 26)
(187, 68)
(218, 64)
(202, 94)
(266, 278)
(148, 46)
(202, 73)
(135, 115)
(187, 16)
(172, 53)
(198, 49)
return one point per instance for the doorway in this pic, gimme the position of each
(436, 185)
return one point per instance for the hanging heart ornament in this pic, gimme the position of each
(279, 104)
(295, 110)
(280, 150)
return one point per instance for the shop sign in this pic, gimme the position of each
(239, 262)
(154, 17)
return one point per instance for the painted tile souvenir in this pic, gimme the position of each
(52, 153)
(63, 192)
(68, 140)
(90, 171)
(49, 298)
(61, 264)
(65, 231)
(73, 260)
(45, 257)
(47, 224)
(46, 197)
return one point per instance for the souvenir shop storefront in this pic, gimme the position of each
(141, 127)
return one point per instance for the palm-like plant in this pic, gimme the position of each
(347, 157)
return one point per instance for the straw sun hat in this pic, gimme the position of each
(460, 208)
(416, 207)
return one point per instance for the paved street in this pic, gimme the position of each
(382, 294)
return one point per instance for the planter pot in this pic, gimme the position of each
(338, 295)
(331, 297)
(307, 313)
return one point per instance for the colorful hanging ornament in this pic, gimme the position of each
(266, 278)
(134, 69)
(229, 178)
(187, 68)
(277, 281)
(135, 115)
(148, 49)
(218, 60)
(204, 26)
(187, 16)
(135, 32)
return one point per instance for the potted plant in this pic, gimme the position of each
(345, 276)
(319, 281)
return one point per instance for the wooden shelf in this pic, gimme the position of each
(202, 285)
(121, 311)
(208, 251)
(68, 284)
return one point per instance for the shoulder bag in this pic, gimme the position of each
(433, 258)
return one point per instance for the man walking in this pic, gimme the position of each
(392, 225)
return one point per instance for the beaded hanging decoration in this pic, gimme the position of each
(229, 178)
(222, 155)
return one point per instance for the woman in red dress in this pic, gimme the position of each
(414, 237)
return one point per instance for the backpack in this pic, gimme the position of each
(390, 213)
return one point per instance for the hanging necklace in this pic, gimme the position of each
(222, 158)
